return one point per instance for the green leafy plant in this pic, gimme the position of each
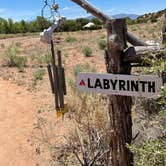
(152, 152)
(39, 60)
(12, 59)
(71, 39)
(149, 153)
(102, 44)
(20, 63)
(87, 51)
(78, 69)
(134, 28)
(38, 75)
(11, 53)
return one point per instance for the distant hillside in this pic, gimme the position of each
(131, 16)
(150, 17)
(121, 15)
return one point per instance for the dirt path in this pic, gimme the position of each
(17, 115)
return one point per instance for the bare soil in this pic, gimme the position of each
(17, 114)
(21, 106)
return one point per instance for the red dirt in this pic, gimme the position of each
(17, 115)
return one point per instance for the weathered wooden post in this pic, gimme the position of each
(118, 58)
(119, 106)
(164, 30)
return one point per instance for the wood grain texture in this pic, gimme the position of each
(119, 106)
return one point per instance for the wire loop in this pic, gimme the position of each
(53, 10)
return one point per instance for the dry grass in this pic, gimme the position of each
(83, 108)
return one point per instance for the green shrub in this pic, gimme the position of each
(102, 36)
(77, 69)
(164, 46)
(41, 59)
(18, 44)
(102, 44)
(150, 153)
(11, 53)
(47, 58)
(12, 59)
(87, 51)
(38, 74)
(20, 62)
(134, 28)
(71, 39)
(153, 19)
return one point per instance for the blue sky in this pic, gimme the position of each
(29, 9)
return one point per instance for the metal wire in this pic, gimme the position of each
(53, 10)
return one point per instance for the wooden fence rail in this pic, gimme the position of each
(118, 61)
(105, 18)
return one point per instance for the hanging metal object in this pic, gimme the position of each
(53, 9)
(55, 69)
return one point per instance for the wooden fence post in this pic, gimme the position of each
(119, 106)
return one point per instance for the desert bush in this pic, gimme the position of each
(87, 51)
(88, 140)
(38, 75)
(20, 62)
(18, 44)
(164, 46)
(129, 21)
(71, 39)
(12, 59)
(78, 69)
(150, 153)
(88, 143)
(40, 60)
(153, 19)
(102, 44)
(134, 28)
(11, 53)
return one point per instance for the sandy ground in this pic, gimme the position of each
(16, 120)
(19, 106)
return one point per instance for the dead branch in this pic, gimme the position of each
(138, 54)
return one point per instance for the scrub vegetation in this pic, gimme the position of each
(82, 137)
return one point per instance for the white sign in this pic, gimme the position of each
(126, 85)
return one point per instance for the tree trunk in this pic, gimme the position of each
(119, 106)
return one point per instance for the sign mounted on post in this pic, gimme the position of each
(114, 84)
